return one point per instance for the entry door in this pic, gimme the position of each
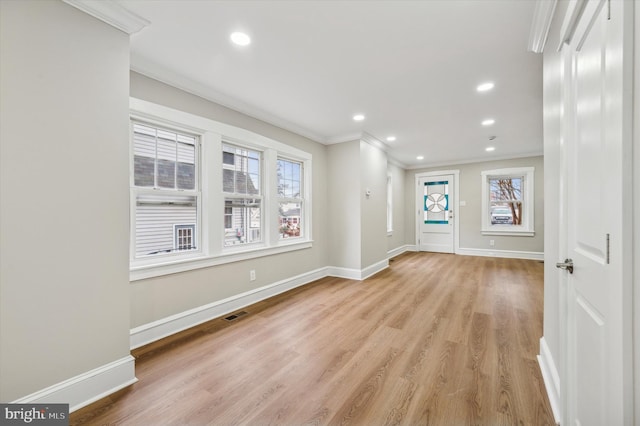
(597, 320)
(435, 215)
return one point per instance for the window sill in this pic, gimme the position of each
(142, 272)
(511, 233)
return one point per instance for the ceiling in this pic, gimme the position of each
(411, 67)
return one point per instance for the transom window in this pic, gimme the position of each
(507, 205)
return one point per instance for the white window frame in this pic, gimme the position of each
(135, 191)
(191, 226)
(211, 250)
(526, 229)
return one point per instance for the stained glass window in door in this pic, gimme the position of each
(436, 202)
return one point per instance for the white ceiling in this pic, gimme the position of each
(410, 66)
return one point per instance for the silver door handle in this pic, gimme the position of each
(566, 265)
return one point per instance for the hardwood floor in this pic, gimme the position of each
(435, 339)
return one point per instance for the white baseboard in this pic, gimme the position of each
(88, 387)
(374, 269)
(358, 274)
(399, 250)
(511, 254)
(551, 378)
(164, 327)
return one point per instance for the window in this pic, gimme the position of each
(204, 193)
(185, 237)
(241, 173)
(290, 198)
(165, 190)
(389, 205)
(507, 204)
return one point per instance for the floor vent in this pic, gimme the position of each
(235, 316)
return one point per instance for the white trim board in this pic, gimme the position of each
(509, 254)
(399, 250)
(551, 379)
(88, 387)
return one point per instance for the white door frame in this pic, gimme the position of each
(456, 205)
(624, 249)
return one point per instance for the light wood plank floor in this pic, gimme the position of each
(435, 339)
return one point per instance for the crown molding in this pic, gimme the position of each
(157, 72)
(112, 13)
(542, 17)
(475, 160)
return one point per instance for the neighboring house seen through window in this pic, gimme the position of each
(164, 187)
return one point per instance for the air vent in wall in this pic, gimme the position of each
(235, 316)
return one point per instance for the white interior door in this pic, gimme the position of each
(597, 390)
(435, 198)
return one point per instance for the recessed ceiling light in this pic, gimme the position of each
(241, 39)
(420, 157)
(391, 138)
(488, 122)
(490, 148)
(358, 117)
(485, 86)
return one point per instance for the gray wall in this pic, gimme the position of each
(64, 267)
(373, 210)
(156, 298)
(343, 181)
(470, 216)
(397, 238)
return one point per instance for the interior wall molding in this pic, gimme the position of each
(88, 387)
(551, 378)
(509, 254)
(112, 13)
(542, 17)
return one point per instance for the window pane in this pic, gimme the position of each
(156, 219)
(505, 188)
(243, 221)
(289, 179)
(290, 220)
(186, 166)
(505, 200)
(163, 159)
(241, 170)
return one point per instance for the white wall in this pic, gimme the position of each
(157, 298)
(554, 187)
(64, 280)
(636, 212)
(470, 215)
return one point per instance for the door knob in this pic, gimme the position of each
(566, 265)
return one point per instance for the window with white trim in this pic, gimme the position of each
(507, 201)
(290, 198)
(241, 176)
(164, 189)
(204, 193)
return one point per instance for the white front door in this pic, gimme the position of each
(598, 294)
(435, 200)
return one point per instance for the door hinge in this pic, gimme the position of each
(608, 10)
(608, 249)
